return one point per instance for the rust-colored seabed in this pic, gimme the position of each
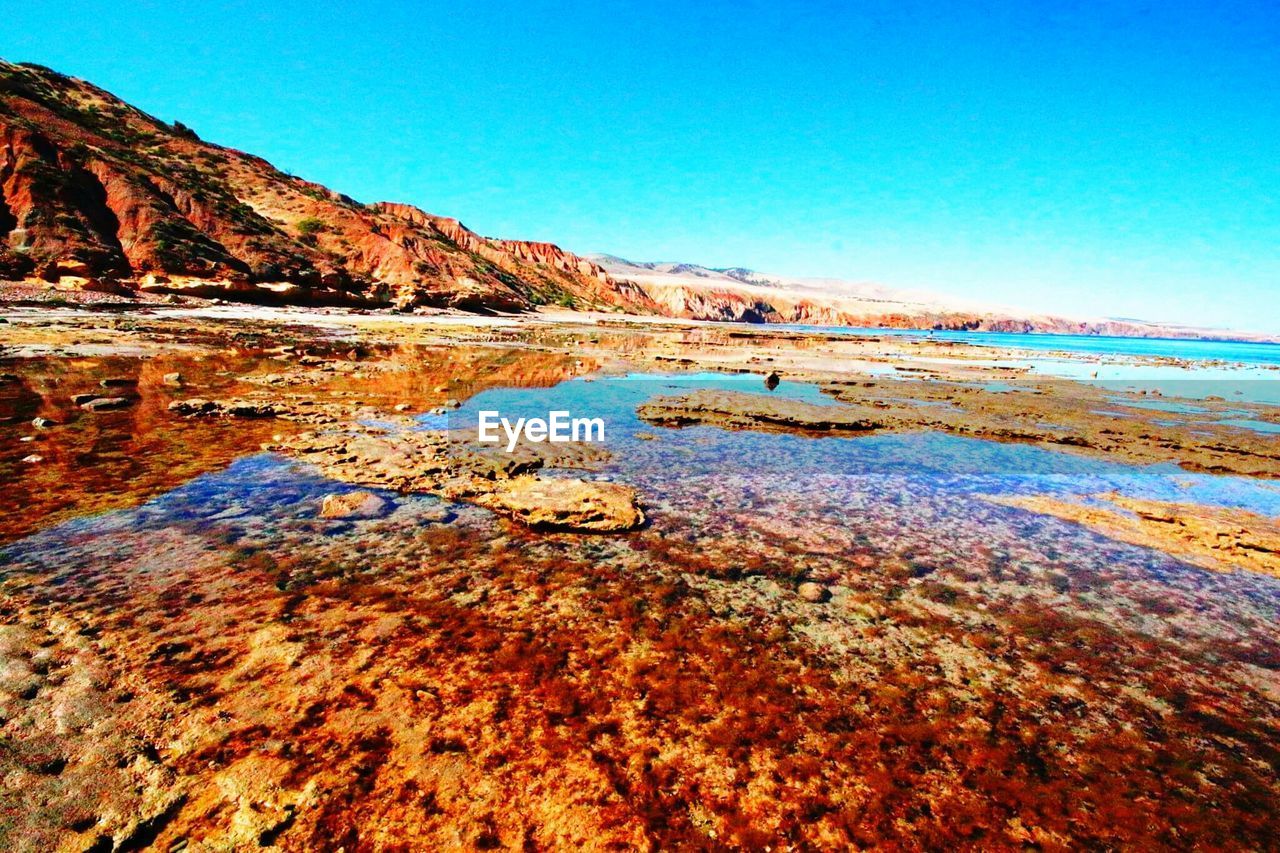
(813, 644)
(516, 690)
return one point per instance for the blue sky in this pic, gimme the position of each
(1118, 161)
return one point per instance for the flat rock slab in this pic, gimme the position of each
(1220, 539)
(736, 409)
(105, 404)
(225, 408)
(570, 505)
(429, 463)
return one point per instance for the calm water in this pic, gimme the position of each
(924, 488)
(1244, 372)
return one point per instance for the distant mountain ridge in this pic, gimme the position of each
(743, 295)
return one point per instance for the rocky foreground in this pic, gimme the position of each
(370, 637)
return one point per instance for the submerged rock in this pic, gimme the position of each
(813, 592)
(568, 505)
(1222, 539)
(353, 505)
(103, 404)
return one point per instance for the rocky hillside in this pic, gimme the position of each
(97, 194)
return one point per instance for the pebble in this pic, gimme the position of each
(43, 423)
(813, 592)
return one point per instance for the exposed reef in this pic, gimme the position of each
(433, 463)
(828, 641)
(1051, 414)
(1217, 538)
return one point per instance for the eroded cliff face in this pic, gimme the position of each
(94, 191)
(750, 303)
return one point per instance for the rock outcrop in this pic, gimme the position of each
(738, 410)
(432, 463)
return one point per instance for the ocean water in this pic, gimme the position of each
(1239, 352)
(1233, 370)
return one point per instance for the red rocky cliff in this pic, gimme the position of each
(93, 190)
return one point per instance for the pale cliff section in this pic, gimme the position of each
(742, 295)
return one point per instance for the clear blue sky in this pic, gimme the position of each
(1120, 161)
